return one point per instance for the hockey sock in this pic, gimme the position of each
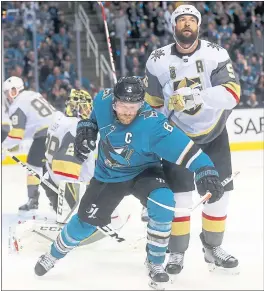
(70, 237)
(159, 226)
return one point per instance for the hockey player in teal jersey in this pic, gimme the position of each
(133, 139)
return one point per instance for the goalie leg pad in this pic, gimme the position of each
(70, 237)
(159, 225)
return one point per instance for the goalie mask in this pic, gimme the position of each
(79, 104)
(128, 98)
(186, 21)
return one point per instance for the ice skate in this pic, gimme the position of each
(157, 274)
(174, 265)
(219, 259)
(44, 264)
(32, 204)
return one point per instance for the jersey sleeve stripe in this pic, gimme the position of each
(184, 152)
(16, 133)
(67, 169)
(234, 89)
(193, 158)
(154, 101)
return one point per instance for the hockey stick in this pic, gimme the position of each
(110, 51)
(203, 199)
(107, 230)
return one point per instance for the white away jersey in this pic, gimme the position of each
(30, 115)
(61, 161)
(208, 68)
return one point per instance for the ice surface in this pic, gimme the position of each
(106, 265)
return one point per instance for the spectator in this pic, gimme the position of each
(225, 31)
(258, 39)
(61, 38)
(252, 102)
(260, 89)
(45, 50)
(52, 78)
(167, 16)
(40, 36)
(160, 26)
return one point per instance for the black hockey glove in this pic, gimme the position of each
(85, 140)
(207, 179)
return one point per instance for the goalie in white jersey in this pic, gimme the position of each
(193, 83)
(65, 171)
(61, 163)
(30, 115)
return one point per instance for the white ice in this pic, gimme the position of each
(106, 265)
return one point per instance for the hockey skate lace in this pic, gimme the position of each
(47, 262)
(221, 254)
(156, 269)
(176, 258)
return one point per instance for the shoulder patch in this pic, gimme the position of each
(157, 54)
(149, 114)
(107, 93)
(214, 45)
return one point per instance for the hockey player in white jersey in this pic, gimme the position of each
(65, 170)
(30, 115)
(193, 83)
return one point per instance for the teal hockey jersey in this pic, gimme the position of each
(124, 151)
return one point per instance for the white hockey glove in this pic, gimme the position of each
(185, 98)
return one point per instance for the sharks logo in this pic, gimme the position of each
(149, 114)
(114, 156)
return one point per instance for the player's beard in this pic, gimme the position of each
(126, 118)
(190, 39)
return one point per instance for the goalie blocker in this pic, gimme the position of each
(38, 232)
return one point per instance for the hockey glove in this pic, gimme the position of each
(185, 98)
(85, 140)
(207, 179)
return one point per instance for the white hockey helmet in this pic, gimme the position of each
(13, 82)
(185, 10)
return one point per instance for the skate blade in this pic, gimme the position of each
(220, 270)
(157, 285)
(172, 278)
(145, 219)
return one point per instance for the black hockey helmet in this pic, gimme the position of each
(129, 89)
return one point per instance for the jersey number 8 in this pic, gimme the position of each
(43, 108)
(168, 126)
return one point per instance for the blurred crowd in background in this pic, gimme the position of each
(236, 26)
(57, 73)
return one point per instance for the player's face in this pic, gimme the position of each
(126, 112)
(186, 29)
(11, 94)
